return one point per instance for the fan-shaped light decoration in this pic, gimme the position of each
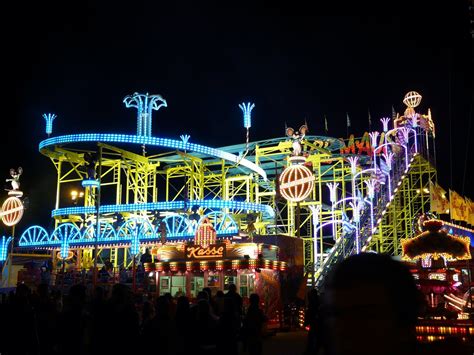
(296, 183)
(412, 99)
(205, 234)
(12, 211)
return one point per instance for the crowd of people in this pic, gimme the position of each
(370, 305)
(47, 322)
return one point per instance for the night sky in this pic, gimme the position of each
(79, 59)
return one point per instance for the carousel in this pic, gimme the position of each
(440, 264)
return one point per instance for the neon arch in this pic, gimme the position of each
(34, 235)
(223, 222)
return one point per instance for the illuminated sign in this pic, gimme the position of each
(213, 251)
(437, 276)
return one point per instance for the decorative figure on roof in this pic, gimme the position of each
(297, 137)
(251, 228)
(15, 181)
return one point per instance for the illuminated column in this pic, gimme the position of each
(315, 214)
(4, 248)
(405, 131)
(144, 104)
(353, 161)
(385, 121)
(414, 124)
(370, 193)
(373, 142)
(388, 159)
(49, 118)
(356, 208)
(333, 197)
(247, 111)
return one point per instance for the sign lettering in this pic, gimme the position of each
(213, 251)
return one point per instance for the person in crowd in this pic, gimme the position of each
(312, 321)
(232, 293)
(206, 327)
(179, 293)
(161, 329)
(184, 327)
(146, 257)
(253, 326)
(370, 306)
(74, 322)
(219, 302)
(228, 329)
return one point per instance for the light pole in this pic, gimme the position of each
(96, 239)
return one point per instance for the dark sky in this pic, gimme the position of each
(79, 59)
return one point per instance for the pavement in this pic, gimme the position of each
(285, 343)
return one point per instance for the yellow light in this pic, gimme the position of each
(74, 194)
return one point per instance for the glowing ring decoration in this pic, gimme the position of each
(12, 211)
(152, 141)
(70, 255)
(166, 206)
(296, 183)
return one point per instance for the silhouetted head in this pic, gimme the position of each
(254, 299)
(313, 298)
(208, 291)
(232, 288)
(182, 304)
(370, 306)
(202, 295)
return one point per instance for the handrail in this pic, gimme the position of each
(346, 245)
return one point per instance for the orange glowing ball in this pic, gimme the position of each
(12, 211)
(296, 183)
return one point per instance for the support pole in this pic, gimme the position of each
(97, 203)
(10, 260)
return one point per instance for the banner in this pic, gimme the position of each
(458, 207)
(438, 201)
(470, 217)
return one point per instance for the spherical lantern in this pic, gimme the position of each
(412, 99)
(12, 211)
(296, 183)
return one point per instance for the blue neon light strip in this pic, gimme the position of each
(88, 183)
(152, 141)
(166, 206)
(155, 237)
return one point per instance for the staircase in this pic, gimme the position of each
(384, 201)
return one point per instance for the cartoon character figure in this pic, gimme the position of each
(297, 137)
(15, 182)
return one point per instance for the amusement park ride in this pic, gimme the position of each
(339, 198)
